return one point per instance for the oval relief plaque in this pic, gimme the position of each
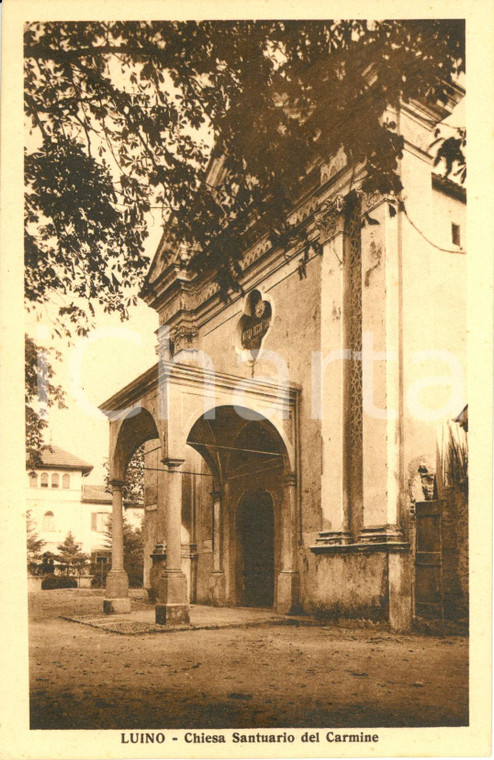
(255, 321)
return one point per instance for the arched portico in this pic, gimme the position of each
(245, 431)
(252, 475)
(126, 435)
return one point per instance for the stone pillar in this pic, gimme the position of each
(399, 588)
(158, 555)
(226, 543)
(173, 604)
(328, 390)
(217, 584)
(381, 326)
(382, 444)
(117, 581)
(288, 591)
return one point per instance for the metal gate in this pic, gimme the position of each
(428, 560)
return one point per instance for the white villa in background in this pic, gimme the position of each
(59, 501)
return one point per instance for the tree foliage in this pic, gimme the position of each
(124, 115)
(35, 545)
(124, 118)
(40, 394)
(70, 559)
(133, 490)
(451, 150)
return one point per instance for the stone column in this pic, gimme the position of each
(383, 477)
(117, 581)
(381, 326)
(158, 555)
(173, 604)
(226, 542)
(217, 586)
(288, 591)
(328, 389)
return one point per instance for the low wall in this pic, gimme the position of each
(347, 585)
(454, 532)
(358, 582)
(34, 582)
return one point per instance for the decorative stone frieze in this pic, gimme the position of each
(329, 219)
(303, 212)
(255, 253)
(184, 338)
(370, 201)
(332, 167)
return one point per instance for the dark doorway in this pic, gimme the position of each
(256, 543)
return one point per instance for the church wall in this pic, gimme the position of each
(434, 290)
(433, 316)
(294, 334)
(413, 300)
(204, 533)
(292, 337)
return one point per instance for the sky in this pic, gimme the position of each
(115, 353)
(93, 369)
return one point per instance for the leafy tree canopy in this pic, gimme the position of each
(40, 394)
(34, 543)
(133, 490)
(124, 117)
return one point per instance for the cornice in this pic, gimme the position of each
(186, 375)
(449, 187)
(179, 294)
(131, 393)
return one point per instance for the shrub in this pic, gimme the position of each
(58, 581)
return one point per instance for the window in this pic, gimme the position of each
(99, 521)
(455, 234)
(55, 480)
(49, 521)
(33, 480)
(44, 480)
(66, 481)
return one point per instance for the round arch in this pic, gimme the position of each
(252, 503)
(135, 429)
(240, 416)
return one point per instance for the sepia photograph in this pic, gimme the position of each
(247, 381)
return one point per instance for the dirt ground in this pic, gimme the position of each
(252, 677)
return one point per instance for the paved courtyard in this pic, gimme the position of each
(234, 668)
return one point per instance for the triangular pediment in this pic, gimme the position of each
(171, 255)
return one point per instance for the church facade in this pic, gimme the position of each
(289, 427)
